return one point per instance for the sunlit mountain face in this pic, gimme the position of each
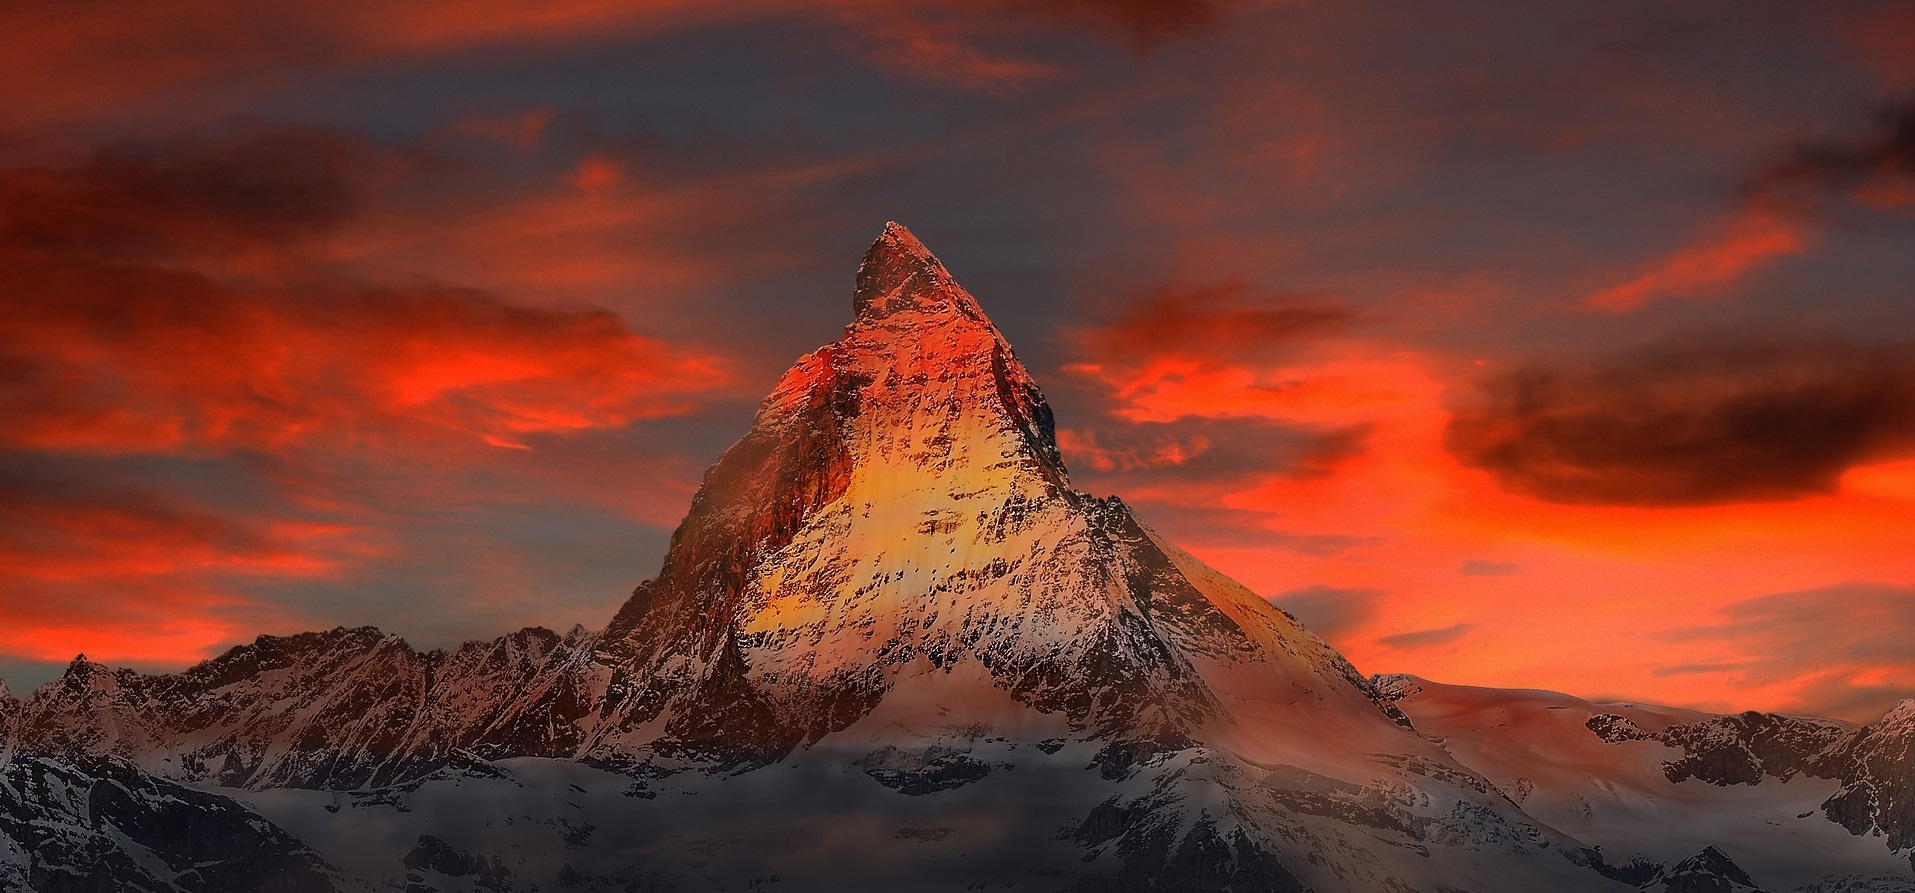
(1380, 372)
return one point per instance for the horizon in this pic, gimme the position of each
(436, 331)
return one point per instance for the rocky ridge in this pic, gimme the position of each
(339, 709)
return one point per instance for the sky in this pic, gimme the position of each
(1560, 346)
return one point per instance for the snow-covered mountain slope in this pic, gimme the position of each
(891, 646)
(98, 825)
(1655, 785)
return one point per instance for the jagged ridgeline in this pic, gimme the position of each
(890, 647)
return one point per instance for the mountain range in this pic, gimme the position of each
(891, 647)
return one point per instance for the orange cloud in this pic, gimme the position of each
(1754, 237)
(613, 229)
(177, 315)
(1217, 323)
(938, 43)
(126, 332)
(1403, 545)
(979, 46)
(1781, 201)
(596, 174)
(123, 574)
(1840, 650)
(1409, 559)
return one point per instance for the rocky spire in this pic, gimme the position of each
(921, 382)
(898, 272)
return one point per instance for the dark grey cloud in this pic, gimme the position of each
(266, 189)
(1477, 567)
(1202, 451)
(1697, 668)
(1692, 421)
(1426, 638)
(1194, 523)
(1179, 474)
(1330, 611)
(1215, 323)
(1144, 23)
(1833, 164)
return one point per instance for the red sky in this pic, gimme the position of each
(1504, 343)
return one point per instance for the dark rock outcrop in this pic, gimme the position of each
(1878, 780)
(1710, 871)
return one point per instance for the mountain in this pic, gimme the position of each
(890, 646)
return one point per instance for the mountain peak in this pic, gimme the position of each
(899, 273)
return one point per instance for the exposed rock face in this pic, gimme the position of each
(1710, 871)
(9, 716)
(1741, 749)
(1878, 779)
(434, 866)
(105, 825)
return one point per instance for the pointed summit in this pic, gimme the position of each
(899, 273)
(1710, 870)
